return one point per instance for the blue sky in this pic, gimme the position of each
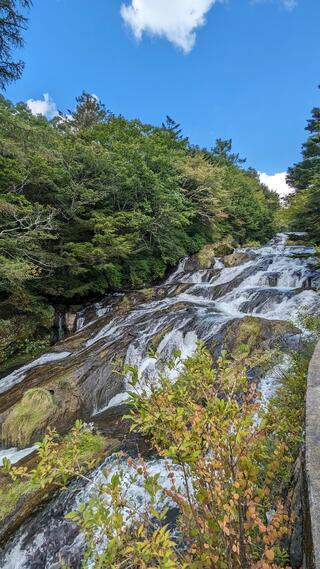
(241, 69)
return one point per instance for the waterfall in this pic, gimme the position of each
(274, 282)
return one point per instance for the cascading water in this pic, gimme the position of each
(275, 282)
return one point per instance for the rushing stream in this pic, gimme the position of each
(275, 282)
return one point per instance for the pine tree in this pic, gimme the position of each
(88, 112)
(172, 126)
(223, 152)
(301, 174)
(304, 177)
(12, 24)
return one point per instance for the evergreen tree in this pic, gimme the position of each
(88, 112)
(304, 204)
(301, 174)
(12, 24)
(172, 126)
(222, 151)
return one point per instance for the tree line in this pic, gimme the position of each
(304, 177)
(91, 202)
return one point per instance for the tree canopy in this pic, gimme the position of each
(304, 177)
(99, 203)
(12, 24)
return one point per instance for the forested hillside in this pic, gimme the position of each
(92, 202)
(304, 177)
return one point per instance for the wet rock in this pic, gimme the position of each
(77, 386)
(314, 280)
(42, 541)
(273, 279)
(222, 289)
(34, 499)
(236, 258)
(260, 300)
(205, 258)
(256, 334)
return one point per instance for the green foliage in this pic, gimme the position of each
(58, 460)
(89, 111)
(99, 203)
(285, 417)
(223, 151)
(210, 429)
(304, 177)
(12, 22)
(301, 174)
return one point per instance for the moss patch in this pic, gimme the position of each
(248, 333)
(12, 492)
(251, 334)
(157, 338)
(28, 418)
(205, 256)
(148, 293)
(125, 303)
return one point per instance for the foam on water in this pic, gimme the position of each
(210, 299)
(14, 454)
(19, 555)
(18, 375)
(273, 283)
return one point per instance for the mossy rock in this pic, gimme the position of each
(125, 304)
(20, 498)
(204, 259)
(206, 256)
(148, 293)
(235, 259)
(250, 335)
(158, 337)
(224, 248)
(29, 418)
(258, 333)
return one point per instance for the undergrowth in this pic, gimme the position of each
(229, 460)
(57, 461)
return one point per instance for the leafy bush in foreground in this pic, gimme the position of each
(224, 465)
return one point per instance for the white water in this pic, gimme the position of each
(14, 455)
(132, 489)
(17, 376)
(271, 284)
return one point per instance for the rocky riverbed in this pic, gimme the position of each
(248, 299)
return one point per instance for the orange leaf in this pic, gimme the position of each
(269, 553)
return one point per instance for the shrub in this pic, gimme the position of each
(211, 427)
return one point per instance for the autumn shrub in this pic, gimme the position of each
(211, 433)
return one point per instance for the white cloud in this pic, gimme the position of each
(175, 20)
(45, 106)
(276, 182)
